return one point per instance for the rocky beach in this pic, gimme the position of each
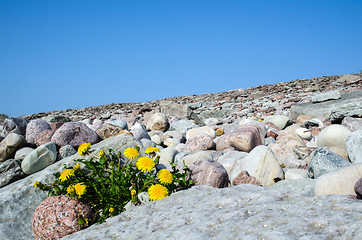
(280, 161)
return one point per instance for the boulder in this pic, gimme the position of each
(21, 153)
(232, 161)
(182, 126)
(333, 135)
(66, 151)
(108, 130)
(324, 161)
(295, 173)
(200, 142)
(139, 131)
(34, 128)
(353, 124)
(14, 125)
(10, 171)
(209, 172)
(354, 146)
(158, 122)
(339, 181)
(322, 97)
(171, 109)
(244, 178)
(42, 157)
(10, 144)
(118, 123)
(246, 137)
(278, 120)
(74, 134)
(201, 130)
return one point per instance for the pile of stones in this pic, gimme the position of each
(263, 141)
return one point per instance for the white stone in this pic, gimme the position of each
(294, 173)
(167, 156)
(158, 122)
(191, 158)
(199, 130)
(333, 135)
(304, 133)
(354, 146)
(340, 181)
(278, 120)
(21, 153)
(156, 139)
(40, 158)
(232, 162)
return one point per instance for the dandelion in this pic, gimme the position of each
(152, 150)
(80, 189)
(101, 153)
(83, 148)
(37, 184)
(111, 210)
(67, 173)
(165, 176)
(70, 189)
(145, 164)
(157, 192)
(76, 167)
(133, 193)
(131, 153)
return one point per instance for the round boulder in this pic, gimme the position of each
(34, 128)
(158, 122)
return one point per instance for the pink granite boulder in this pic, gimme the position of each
(246, 137)
(200, 142)
(209, 172)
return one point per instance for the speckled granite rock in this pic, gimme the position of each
(288, 210)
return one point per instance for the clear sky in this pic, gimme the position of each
(62, 54)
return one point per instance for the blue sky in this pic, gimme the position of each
(56, 55)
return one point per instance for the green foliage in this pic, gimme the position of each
(111, 182)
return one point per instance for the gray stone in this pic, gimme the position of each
(34, 128)
(295, 173)
(232, 162)
(118, 123)
(194, 157)
(14, 125)
(40, 158)
(56, 118)
(354, 146)
(358, 188)
(241, 212)
(66, 151)
(171, 109)
(352, 124)
(209, 172)
(108, 130)
(21, 153)
(147, 143)
(324, 161)
(174, 135)
(348, 102)
(139, 131)
(74, 133)
(158, 122)
(182, 126)
(10, 144)
(10, 171)
(322, 97)
(167, 156)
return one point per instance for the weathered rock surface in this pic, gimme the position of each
(158, 122)
(14, 125)
(246, 137)
(10, 171)
(354, 146)
(10, 144)
(322, 97)
(209, 172)
(34, 128)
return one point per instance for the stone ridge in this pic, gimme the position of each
(301, 89)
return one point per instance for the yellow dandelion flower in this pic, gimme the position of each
(76, 167)
(36, 184)
(165, 176)
(145, 164)
(83, 148)
(131, 153)
(70, 189)
(101, 153)
(133, 193)
(67, 173)
(152, 150)
(111, 210)
(157, 192)
(80, 189)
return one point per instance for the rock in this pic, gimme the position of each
(34, 128)
(40, 158)
(22, 197)
(324, 161)
(244, 178)
(182, 126)
(67, 151)
(10, 171)
(94, 125)
(158, 122)
(200, 130)
(354, 146)
(322, 97)
(286, 156)
(10, 144)
(262, 164)
(177, 135)
(358, 188)
(333, 136)
(219, 132)
(193, 157)
(74, 134)
(348, 78)
(171, 109)
(352, 124)
(246, 138)
(44, 137)
(232, 161)
(278, 120)
(56, 118)
(156, 139)
(167, 156)
(348, 102)
(57, 217)
(302, 119)
(14, 125)
(200, 142)
(21, 153)
(314, 122)
(209, 172)
(339, 181)
(118, 123)
(108, 130)
(303, 133)
(147, 143)
(295, 173)
(139, 131)
(222, 142)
